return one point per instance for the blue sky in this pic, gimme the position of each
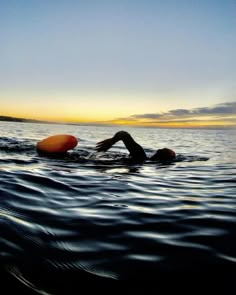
(103, 60)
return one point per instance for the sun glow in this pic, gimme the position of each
(114, 109)
(96, 116)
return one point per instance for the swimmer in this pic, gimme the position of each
(136, 152)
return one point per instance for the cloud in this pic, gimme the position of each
(145, 116)
(223, 114)
(223, 109)
(220, 110)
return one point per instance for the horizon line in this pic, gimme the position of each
(4, 118)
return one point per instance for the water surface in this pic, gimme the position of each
(89, 217)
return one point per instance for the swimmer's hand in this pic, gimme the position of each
(104, 145)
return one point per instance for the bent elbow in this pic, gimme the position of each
(121, 135)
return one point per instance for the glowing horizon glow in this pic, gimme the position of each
(182, 118)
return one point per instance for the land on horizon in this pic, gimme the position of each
(24, 120)
(14, 119)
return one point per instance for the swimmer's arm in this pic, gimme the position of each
(135, 150)
(104, 145)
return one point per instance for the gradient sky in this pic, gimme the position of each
(147, 62)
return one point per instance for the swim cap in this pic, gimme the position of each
(163, 155)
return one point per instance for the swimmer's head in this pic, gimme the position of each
(163, 155)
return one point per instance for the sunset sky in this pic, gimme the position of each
(142, 62)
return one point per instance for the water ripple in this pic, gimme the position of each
(71, 218)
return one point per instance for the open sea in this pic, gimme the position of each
(90, 220)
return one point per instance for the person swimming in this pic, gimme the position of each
(136, 152)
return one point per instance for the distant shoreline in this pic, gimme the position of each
(14, 119)
(23, 120)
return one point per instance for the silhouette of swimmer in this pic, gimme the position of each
(137, 153)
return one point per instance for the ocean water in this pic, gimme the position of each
(88, 218)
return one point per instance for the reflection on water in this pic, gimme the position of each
(97, 219)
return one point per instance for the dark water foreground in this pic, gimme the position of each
(71, 224)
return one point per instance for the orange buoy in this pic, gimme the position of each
(60, 143)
